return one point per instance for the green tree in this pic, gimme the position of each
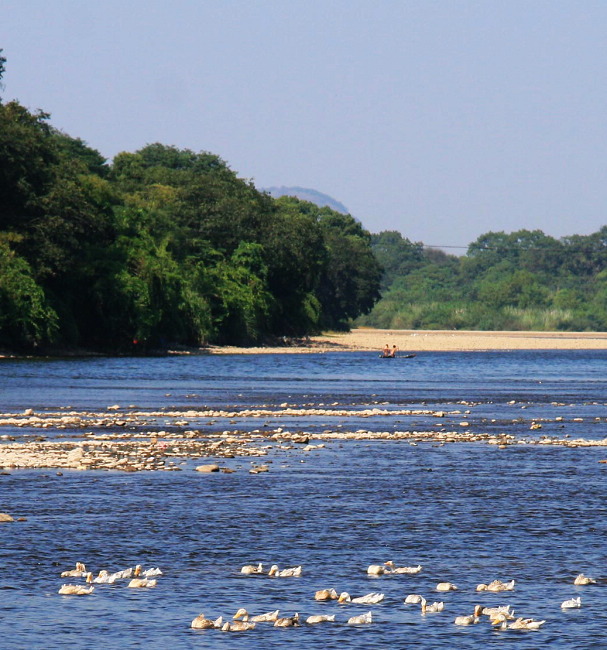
(396, 254)
(349, 285)
(26, 320)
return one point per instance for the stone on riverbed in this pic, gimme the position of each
(207, 468)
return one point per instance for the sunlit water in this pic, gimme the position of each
(469, 513)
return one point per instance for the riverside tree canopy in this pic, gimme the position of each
(524, 280)
(167, 246)
(162, 246)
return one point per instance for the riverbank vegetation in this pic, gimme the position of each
(161, 247)
(165, 246)
(524, 280)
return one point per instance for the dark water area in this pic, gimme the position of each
(468, 513)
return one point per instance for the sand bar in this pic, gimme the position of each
(365, 339)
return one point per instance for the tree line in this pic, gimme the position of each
(166, 246)
(524, 280)
(162, 246)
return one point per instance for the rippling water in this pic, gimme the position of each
(469, 513)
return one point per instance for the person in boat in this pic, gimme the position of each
(386, 351)
(393, 351)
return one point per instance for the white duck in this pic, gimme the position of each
(287, 621)
(433, 608)
(472, 619)
(127, 573)
(411, 570)
(326, 594)
(320, 618)
(572, 603)
(150, 573)
(252, 569)
(500, 622)
(79, 572)
(580, 580)
(104, 578)
(502, 609)
(237, 626)
(258, 618)
(376, 570)
(285, 573)
(445, 586)
(203, 623)
(525, 624)
(76, 590)
(369, 599)
(413, 599)
(142, 583)
(362, 619)
(496, 586)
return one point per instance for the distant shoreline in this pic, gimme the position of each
(369, 340)
(373, 340)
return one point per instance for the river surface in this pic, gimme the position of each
(469, 513)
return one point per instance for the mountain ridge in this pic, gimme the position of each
(308, 194)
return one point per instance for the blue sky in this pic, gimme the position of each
(440, 119)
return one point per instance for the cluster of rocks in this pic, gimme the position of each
(128, 444)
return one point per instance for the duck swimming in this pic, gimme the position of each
(502, 609)
(445, 586)
(237, 626)
(496, 586)
(76, 590)
(572, 603)
(142, 583)
(432, 609)
(259, 618)
(127, 573)
(203, 623)
(376, 570)
(411, 570)
(470, 620)
(368, 599)
(285, 573)
(326, 594)
(580, 580)
(287, 621)
(150, 573)
(500, 622)
(525, 624)
(252, 569)
(320, 618)
(104, 578)
(362, 619)
(413, 599)
(79, 572)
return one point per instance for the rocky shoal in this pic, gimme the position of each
(128, 443)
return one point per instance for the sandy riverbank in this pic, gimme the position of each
(435, 340)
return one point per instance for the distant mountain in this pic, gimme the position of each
(306, 194)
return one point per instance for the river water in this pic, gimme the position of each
(469, 513)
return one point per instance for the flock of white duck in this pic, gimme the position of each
(501, 618)
(137, 579)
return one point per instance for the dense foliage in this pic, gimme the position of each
(524, 280)
(163, 246)
(168, 246)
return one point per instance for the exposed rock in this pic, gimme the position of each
(5, 517)
(207, 468)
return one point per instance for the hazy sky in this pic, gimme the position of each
(441, 119)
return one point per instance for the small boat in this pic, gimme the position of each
(398, 356)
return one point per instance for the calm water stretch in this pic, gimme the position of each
(468, 512)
